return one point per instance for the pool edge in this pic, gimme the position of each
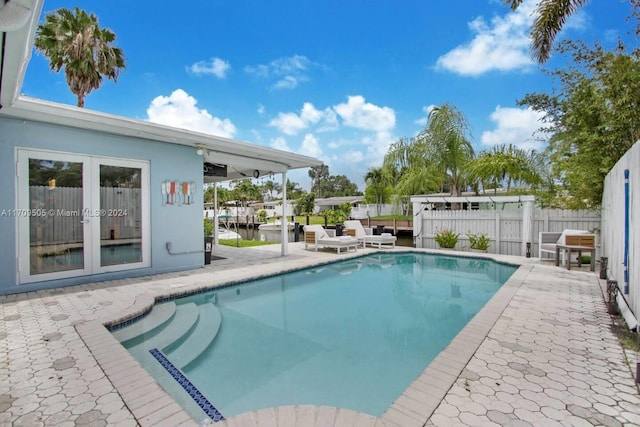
(130, 379)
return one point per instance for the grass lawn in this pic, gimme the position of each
(244, 243)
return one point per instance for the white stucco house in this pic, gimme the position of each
(89, 196)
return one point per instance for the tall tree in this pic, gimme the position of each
(447, 144)
(269, 187)
(377, 184)
(293, 190)
(592, 118)
(318, 175)
(246, 191)
(74, 41)
(338, 186)
(550, 18)
(505, 163)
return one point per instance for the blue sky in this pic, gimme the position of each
(336, 80)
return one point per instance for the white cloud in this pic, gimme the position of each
(363, 115)
(180, 110)
(279, 143)
(310, 146)
(261, 109)
(514, 126)
(367, 141)
(352, 156)
(215, 66)
(502, 44)
(292, 123)
(288, 123)
(289, 82)
(288, 72)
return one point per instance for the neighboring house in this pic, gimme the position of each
(89, 196)
(364, 210)
(334, 203)
(274, 208)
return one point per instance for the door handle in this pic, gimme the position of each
(85, 221)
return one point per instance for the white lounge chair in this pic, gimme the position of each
(365, 235)
(316, 236)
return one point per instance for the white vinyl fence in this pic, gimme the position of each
(504, 227)
(621, 226)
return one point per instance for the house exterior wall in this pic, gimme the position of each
(179, 225)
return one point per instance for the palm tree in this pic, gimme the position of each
(550, 17)
(246, 191)
(446, 144)
(270, 187)
(74, 41)
(505, 163)
(377, 182)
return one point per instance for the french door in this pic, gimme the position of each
(80, 215)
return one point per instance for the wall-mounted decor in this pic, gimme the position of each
(177, 193)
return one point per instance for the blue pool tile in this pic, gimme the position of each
(193, 391)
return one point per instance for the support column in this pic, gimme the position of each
(417, 224)
(284, 225)
(215, 214)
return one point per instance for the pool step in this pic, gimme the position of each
(184, 319)
(159, 315)
(186, 351)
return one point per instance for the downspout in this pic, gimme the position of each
(626, 232)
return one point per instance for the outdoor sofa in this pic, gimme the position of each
(365, 235)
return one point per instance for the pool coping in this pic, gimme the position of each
(150, 404)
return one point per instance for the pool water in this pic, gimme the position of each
(353, 334)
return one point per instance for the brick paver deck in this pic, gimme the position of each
(541, 353)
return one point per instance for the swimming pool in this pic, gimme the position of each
(352, 334)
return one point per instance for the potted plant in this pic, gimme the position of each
(479, 242)
(447, 238)
(208, 240)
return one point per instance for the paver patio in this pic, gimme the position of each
(547, 358)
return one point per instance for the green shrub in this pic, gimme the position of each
(208, 227)
(447, 238)
(479, 241)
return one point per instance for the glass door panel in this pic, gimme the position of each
(55, 216)
(80, 215)
(120, 215)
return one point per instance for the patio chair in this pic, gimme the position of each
(548, 241)
(365, 235)
(316, 236)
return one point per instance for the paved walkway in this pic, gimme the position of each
(540, 354)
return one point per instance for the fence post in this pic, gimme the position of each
(527, 224)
